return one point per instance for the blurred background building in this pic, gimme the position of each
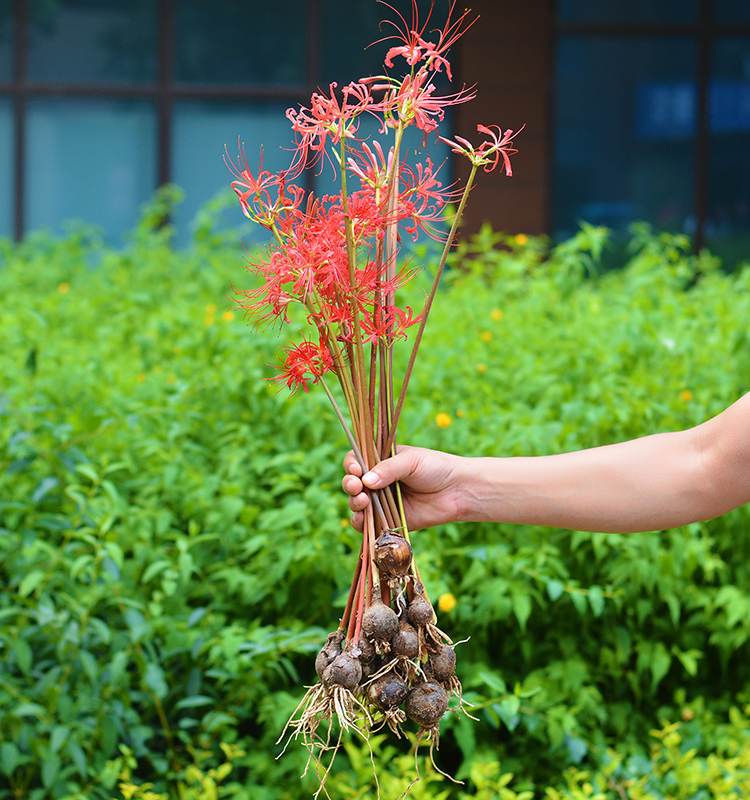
(634, 109)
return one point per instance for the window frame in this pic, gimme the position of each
(706, 32)
(163, 92)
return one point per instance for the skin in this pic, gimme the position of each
(652, 483)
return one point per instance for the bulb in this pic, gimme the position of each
(392, 554)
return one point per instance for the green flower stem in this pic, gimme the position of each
(340, 363)
(355, 449)
(360, 381)
(428, 306)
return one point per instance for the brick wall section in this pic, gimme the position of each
(507, 54)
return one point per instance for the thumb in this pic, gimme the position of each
(395, 468)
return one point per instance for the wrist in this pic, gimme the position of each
(474, 490)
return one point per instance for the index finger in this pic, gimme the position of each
(351, 465)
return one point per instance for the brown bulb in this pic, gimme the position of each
(392, 554)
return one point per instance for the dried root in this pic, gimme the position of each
(387, 662)
(326, 704)
(323, 703)
(433, 737)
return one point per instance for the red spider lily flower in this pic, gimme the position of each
(422, 199)
(286, 209)
(249, 188)
(370, 165)
(411, 101)
(488, 154)
(305, 362)
(416, 49)
(253, 191)
(367, 213)
(270, 301)
(388, 323)
(327, 119)
(335, 313)
(372, 284)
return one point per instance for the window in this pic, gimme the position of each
(88, 159)
(652, 118)
(727, 228)
(625, 131)
(101, 101)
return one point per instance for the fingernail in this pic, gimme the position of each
(371, 479)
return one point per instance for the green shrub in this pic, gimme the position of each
(171, 542)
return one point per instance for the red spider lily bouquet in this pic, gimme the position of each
(337, 256)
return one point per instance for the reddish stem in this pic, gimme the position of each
(352, 592)
(355, 620)
(361, 601)
(356, 613)
(385, 593)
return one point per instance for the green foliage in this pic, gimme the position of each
(675, 769)
(413, 773)
(172, 550)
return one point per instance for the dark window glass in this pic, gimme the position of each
(728, 216)
(625, 115)
(6, 167)
(629, 11)
(240, 42)
(92, 41)
(89, 159)
(6, 39)
(729, 11)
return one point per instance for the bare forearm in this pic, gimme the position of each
(657, 482)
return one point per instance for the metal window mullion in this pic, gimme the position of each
(312, 65)
(19, 116)
(165, 52)
(701, 167)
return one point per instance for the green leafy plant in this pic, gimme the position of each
(174, 540)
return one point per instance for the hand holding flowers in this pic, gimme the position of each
(337, 257)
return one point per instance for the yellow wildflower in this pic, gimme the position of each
(443, 420)
(686, 395)
(210, 308)
(459, 412)
(496, 314)
(521, 239)
(228, 316)
(446, 602)
(481, 368)
(63, 288)
(486, 336)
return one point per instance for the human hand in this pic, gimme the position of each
(430, 485)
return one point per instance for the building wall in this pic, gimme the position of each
(507, 54)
